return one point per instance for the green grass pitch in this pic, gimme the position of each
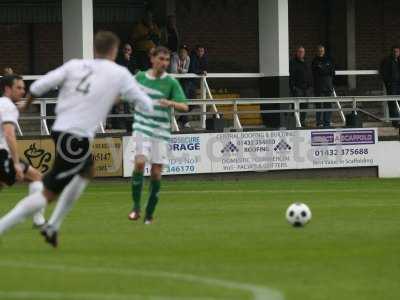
(214, 240)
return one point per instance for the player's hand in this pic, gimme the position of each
(166, 103)
(19, 174)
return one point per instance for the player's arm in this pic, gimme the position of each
(131, 92)
(175, 105)
(29, 99)
(45, 84)
(178, 99)
(11, 139)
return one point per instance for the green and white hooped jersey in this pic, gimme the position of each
(158, 123)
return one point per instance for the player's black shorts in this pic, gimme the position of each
(73, 156)
(7, 170)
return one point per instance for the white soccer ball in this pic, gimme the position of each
(298, 214)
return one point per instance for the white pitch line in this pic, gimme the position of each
(258, 292)
(265, 191)
(27, 295)
(338, 191)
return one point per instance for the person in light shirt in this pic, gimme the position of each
(12, 168)
(88, 90)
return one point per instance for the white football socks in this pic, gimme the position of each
(38, 218)
(68, 197)
(25, 208)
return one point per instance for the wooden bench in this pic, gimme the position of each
(246, 119)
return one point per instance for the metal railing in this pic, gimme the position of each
(205, 91)
(294, 104)
(208, 100)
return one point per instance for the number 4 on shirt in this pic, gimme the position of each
(84, 86)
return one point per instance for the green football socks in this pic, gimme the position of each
(155, 186)
(137, 187)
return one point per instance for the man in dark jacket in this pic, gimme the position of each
(390, 72)
(323, 71)
(300, 79)
(198, 65)
(198, 61)
(127, 60)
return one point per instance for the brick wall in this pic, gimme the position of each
(123, 30)
(15, 48)
(31, 49)
(377, 29)
(391, 24)
(369, 33)
(228, 29)
(47, 47)
(306, 25)
(37, 48)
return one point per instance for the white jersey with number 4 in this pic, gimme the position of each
(8, 114)
(87, 91)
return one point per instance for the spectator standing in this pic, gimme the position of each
(390, 73)
(300, 79)
(323, 71)
(170, 35)
(146, 36)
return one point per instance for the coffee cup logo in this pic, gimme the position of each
(38, 158)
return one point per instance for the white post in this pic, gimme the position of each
(203, 117)
(351, 41)
(274, 37)
(174, 123)
(297, 114)
(273, 31)
(77, 16)
(44, 129)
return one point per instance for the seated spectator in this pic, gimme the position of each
(300, 79)
(146, 35)
(126, 59)
(198, 61)
(170, 36)
(180, 62)
(323, 73)
(390, 73)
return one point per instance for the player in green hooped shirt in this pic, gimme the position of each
(151, 132)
